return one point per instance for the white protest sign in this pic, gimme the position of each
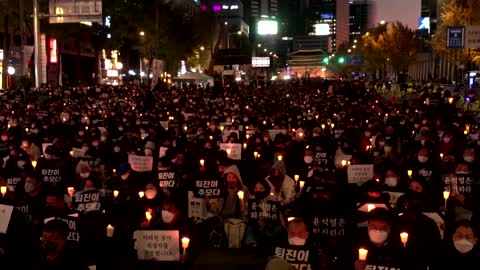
(273, 133)
(235, 150)
(162, 151)
(140, 163)
(157, 245)
(227, 133)
(78, 152)
(197, 207)
(5, 216)
(164, 124)
(359, 174)
(45, 145)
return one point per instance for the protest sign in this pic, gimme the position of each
(266, 211)
(167, 179)
(197, 207)
(88, 200)
(164, 124)
(394, 196)
(140, 163)
(337, 133)
(235, 231)
(333, 226)
(162, 152)
(44, 146)
(96, 164)
(71, 221)
(208, 188)
(227, 133)
(12, 183)
(359, 174)
(460, 183)
(321, 158)
(51, 175)
(26, 210)
(157, 245)
(78, 152)
(235, 150)
(5, 216)
(297, 257)
(273, 133)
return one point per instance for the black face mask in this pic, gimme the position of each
(49, 247)
(260, 195)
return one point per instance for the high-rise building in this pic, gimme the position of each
(359, 17)
(264, 8)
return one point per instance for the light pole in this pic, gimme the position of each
(36, 33)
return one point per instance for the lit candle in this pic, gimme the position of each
(255, 154)
(264, 122)
(221, 128)
(148, 215)
(362, 254)
(344, 163)
(114, 171)
(323, 126)
(3, 190)
(446, 194)
(290, 219)
(202, 162)
(71, 153)
(441, 156)
(280, 158)
(211, 138)
(302, 184)
(332, 125)
(296, 177)
(349, 162)
(465, 132)
(240, 195)
(34, 164)
(229, 151)
(245, 146)
(110, 230)
(70, 190)
(404, 238)
(247, 136)
(185, 242)
(141, 194)
(115, 193)
(450, 100)
(185, 128)
(370, 207)
(410, 172)
(300, 134)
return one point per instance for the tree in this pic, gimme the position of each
(399, 46)
(454, 13)
(371, 49)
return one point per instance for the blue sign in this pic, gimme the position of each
(456, 37)
(355, 59)
(424, 23)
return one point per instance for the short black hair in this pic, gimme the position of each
(467, 224)
(380, 214)
(56, 226)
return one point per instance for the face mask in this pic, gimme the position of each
(81, 133)
(381, 144)
(85, 175)
(266, 139)
(35, 131)
(296, 241)
(148, 152)
(245, 119)
(377, 236)
(284, 131)
(120, 129)
(95, 144)
(391, 181)
(85, 148)
(446, 139)
(29, 187)
(167, 217)
(103, 139)
(468, 159)
(308, 159)
(4, 138)
(21, 163)
(116, 149)
(150, 193)
(138, 123)
(416, 126)
(463, 245)
(367, 133)
(422, 159)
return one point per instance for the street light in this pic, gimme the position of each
(354, 46)
(264, 50)
(259, 45)
(354, 41)
(349, 50)
(142, 33)
(202, 48)
(382, 22)
(239, 33)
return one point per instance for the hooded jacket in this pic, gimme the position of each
(286, 194)
(232, 204)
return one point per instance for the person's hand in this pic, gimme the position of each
(360, 265)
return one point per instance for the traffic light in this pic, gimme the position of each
(325, 60)
(341, 60)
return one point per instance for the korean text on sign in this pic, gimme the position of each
(157, 245)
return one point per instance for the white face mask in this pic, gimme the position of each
(446, 139)
(463, 245)
(85, 175)
(377, 236)
(367, 133)
(21, 163)
(468, 158)
(308, 159)
(391, 181)
(422, 159)
(148, 152)
(296, 241)
(150, 193)
(124, 176)
(387, 149)
(167, 217)
(116, 149)
(103, 139)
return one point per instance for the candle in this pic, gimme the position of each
(229, 151)
(141, 194)
(344, 163)
(115, 193)
(70, 190)
(244, 146)
(323, 126)
(34, 164)
(71, 153)
(202, 162)
(185, 242)
(240, 195)
(362, 254)
(465, 132)
(185, 128)
(148, 215)
(349, 162)
(264, 122)
(280, 158)
(255, 154)
(404, 238)
(302, 184)
(290, 219)
(409, 172)
(441, 156)
(3, 190)
(296, 177)
(370, 207)
(247, 136)
(332, 125)
(221, 128)
(110, 230)
(114, 171)
(450, 100)
(211, 138)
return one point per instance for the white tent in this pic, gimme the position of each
(198, 78)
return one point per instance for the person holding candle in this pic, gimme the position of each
(383, 244)
(31, 149)
(281, 184)
(233, 207)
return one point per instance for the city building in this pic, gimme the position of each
(359, 17)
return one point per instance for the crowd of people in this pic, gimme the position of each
(291, 176)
